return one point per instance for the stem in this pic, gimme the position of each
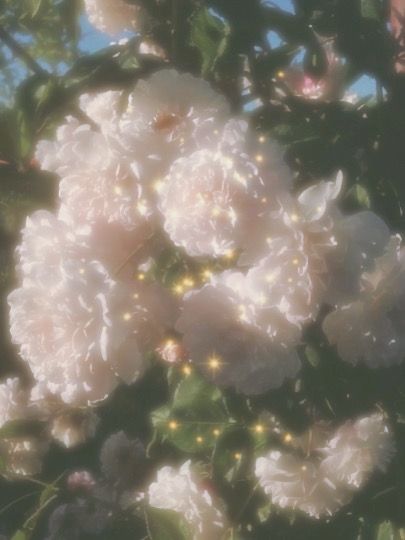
(21, 53)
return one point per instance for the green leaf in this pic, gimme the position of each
(371, 9)
(18, 428)
(20, 535)
(210, 35)
(165, 525)
(385, 531)
(312, 356)
(362, 196)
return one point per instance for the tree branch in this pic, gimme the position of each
(21, 53)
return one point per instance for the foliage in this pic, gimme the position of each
(217, 39)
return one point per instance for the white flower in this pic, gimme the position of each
(227, 347)
(76, 147)
(104, 109)
(209, 201)
(23, 456)
(163, 115)
(298, 484)
(13, 401)
(113, 16)
(110, 194)
(371, 329)
(97, 183)
(47, 241)
(78, 335)
(153, 49)
(180, 490)
(283, 284)
(357, 449)
(74, 427)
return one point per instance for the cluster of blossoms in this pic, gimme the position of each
(320, 477)
(168, 167)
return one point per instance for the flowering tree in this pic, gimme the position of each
(203, 276)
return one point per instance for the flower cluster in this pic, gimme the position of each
(331, 471)
(167, 174)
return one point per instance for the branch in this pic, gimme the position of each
(21, 53)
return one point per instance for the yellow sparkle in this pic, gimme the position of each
(229, 254)
(259, 428)
(188, 282)
(142, 207)
(141, 276)
(199, 440)
(287, 438)
(135, 296)
(259, 158)
(216, 211)
(173, 425)
(158, 186)
(304, 468)
(187, 370)
(127, 316)
(216, 432)
(238, 456)
(81, 271)
(207, 274)
(281, 74)
(296, 262)
(214, 363)
(118, 190)
(216, 132)
(294, 218)
(182, 140)
(271, 277)
(178, 289)
(290, 280)
(264, 199)
(262, 139)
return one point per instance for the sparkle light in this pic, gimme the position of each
(259, 158)
(199, 440)
(259, 428)
(230, 254)
(173, 425)
(304, 468)
(142, 207)
(157, 186)
(214, 363)
(262, 139)
(188, 282)
(238, 456)
(186, 370)
(178, 289)
(127, 316)
(281, 74)
(216, 432)
(296, 262)
(81, 271)
(206, 274)
(294, 218)
(287, 438)
(118, 190)
(141, 276)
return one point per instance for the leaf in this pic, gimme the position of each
(312, 356)
(371, 9)
(165, 525)
(385, 531)
(18, 428)
(362, 195)
(210, 35)
(20, 535)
